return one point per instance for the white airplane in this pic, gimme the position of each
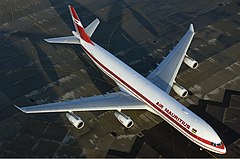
(137, 92)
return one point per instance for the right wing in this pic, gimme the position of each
(165, 73)
(111, 101)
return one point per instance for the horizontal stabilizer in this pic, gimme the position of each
(92, 27)
(64, 40)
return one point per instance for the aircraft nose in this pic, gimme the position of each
(224, 150)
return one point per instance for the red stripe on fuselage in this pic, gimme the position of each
(151, 103)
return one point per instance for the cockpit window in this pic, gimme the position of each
(215, 145)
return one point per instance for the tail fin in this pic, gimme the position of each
(80, 33)
(78, 26)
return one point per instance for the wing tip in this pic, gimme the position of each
(22, 110)
(191, 27)
(46, 40)
(98, 21)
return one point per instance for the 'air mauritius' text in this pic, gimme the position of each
(174, 116)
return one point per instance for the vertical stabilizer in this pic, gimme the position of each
(79, 27)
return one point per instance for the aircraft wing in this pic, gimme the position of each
(111, 101)
(165, 73)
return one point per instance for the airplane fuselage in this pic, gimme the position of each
(137, 92)
(158, 102)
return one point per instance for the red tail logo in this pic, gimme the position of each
(78, 26)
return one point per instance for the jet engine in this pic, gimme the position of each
(190, 62)
(124, 119)
(182, 92)
(75, 120)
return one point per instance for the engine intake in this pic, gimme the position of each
(124, 119)
(190, 62)
(75, 120)
(181, 91)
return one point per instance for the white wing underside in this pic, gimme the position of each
(111, 101)
(165, 73)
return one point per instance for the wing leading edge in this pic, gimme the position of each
(165, 73)
(111, 101)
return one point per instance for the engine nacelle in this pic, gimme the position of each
(124, 119)
(182, 92)
(75, 120)
(190, 62)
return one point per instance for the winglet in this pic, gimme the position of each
(78, 26)
(191, 27)
(19, 108)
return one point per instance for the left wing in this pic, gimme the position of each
(164, 75)
(111, 101)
